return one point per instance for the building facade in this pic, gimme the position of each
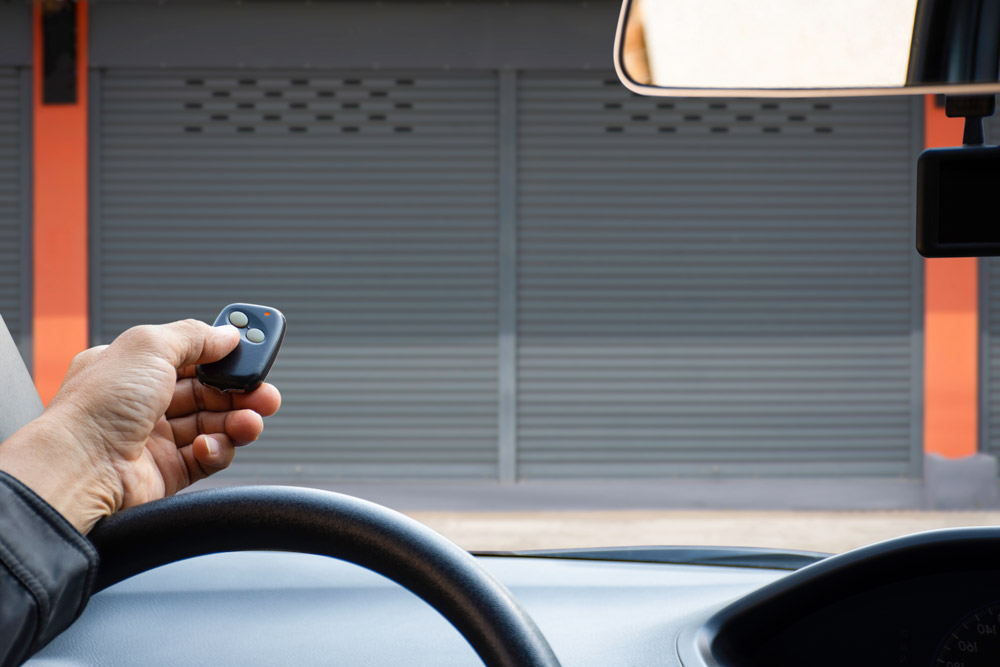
(496, 263)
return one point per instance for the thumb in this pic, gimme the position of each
(194, 342)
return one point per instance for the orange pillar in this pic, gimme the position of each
(60, 220)
(951, 334)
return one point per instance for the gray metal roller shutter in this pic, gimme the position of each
(14, 197)
(989, 327)
(713, 286)
(989, 393)
(363, 205)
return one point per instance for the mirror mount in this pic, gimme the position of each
(955, 41)
(973, 108)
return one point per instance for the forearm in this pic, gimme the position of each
(47, 572)
(43, 457)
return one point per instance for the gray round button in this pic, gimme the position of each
(255, 336)
(238, 319)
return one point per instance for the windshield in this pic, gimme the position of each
(524, 305)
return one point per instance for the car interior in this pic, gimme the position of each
(292, 575)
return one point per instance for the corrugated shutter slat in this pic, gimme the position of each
(12, 241)
(712, 286)
(363, 205)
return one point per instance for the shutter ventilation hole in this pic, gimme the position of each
(256, 90)
(670, 122)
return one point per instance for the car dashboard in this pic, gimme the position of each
(928, 599)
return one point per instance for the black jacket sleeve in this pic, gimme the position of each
(47, 571)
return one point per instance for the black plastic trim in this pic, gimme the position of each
(751, 620)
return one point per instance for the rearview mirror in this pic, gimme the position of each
(792, 48)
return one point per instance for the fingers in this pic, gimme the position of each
(192, 396)
(207, 455)
(241, 426)
(183, 343)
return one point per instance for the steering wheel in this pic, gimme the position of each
(276, 518)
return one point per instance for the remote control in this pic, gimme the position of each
(244, 369)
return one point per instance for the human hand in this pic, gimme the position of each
(131, 423)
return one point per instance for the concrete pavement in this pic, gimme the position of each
(812, 531)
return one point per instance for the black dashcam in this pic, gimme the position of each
(957, 206)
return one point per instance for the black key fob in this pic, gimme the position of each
(244, 369)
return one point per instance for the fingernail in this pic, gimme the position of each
(213, 445)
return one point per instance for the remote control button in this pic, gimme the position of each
(255, 336)
(238, 319)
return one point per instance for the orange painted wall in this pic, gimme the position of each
(60, 221)
(951, 334)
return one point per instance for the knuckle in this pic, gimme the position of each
(190, 330)
(140, 336)
(86, 358)
(80, 361)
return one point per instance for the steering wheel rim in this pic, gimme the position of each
(276, 518)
